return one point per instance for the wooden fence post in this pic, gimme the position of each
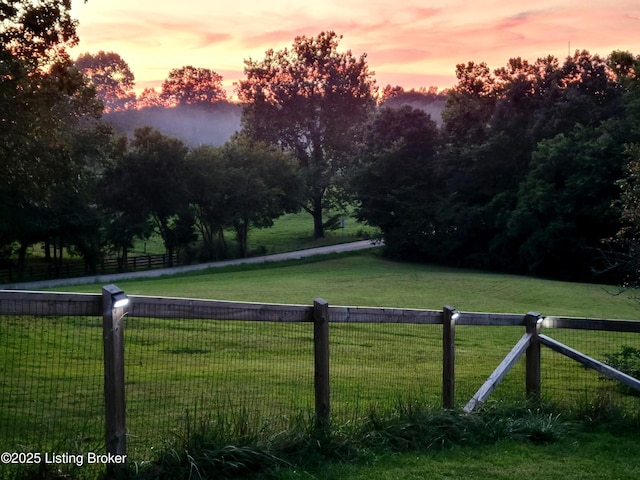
(533, 324)
(321, 362)
(115, 307)
(449, 317)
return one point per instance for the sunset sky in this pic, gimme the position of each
(410, 43)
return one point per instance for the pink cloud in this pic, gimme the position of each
(400, 56)
(425, 12)
(399, 39)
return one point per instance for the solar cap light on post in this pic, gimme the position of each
(115, 307)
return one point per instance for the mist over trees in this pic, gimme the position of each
(529, 168)
(430, 101)
(195, 125)
(192, 104)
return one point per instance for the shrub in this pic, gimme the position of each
(626, 360)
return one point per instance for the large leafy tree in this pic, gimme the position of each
(493, 124)
(264, 182)
(564, 205)
(209, 189)
(313, 100)
(397, 185)
(470, 176)
(192, 86)
(44, 104)
(149, 182)
(623, 250)
(111, 77)
(35, 78)
(36, 32)
(241, 185)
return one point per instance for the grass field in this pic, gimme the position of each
(177, 370)
(292, 231)
(368, 279)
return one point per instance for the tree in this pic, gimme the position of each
(314, 101)
(264, 184)
(112, 78)
(494, 124)
(209, 190)
(149, 98)
(150, 183)
(622, 251)
(470, 103)
(73, 217)
(389, 92)
(35, 77)
(397, 186)
(192, 86)
(120, 204)
(36, 32)
(241, 185)
(564, 206)
(44, 103)
(623, 255)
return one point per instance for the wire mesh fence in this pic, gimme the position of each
(184, 373)
(571, 385)
(188, 363)
(51, 384)
(381, 365)
(479, 350)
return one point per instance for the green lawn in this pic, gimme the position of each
(367, 279)
(597, 456)
(292, 231)
(181, 372)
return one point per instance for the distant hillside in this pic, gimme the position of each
(193, 124)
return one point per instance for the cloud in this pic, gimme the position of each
(413, 41)
(400, 56)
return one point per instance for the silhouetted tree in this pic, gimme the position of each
(265, 185)
(112, 78)
(190, 86)
(313, 100)
(149, 98)
(150, 183)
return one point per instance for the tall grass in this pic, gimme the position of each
(221, 450)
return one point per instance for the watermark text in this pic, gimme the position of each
(55, 458)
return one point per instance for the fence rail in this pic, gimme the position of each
(214, 314)
(70, 269)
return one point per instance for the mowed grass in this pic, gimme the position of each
(597, 456)
(180, 372)
(368, 279)
(292, 231)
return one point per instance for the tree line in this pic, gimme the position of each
(531, 168)
(524, 175)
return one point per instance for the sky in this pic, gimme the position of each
(410, 43)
